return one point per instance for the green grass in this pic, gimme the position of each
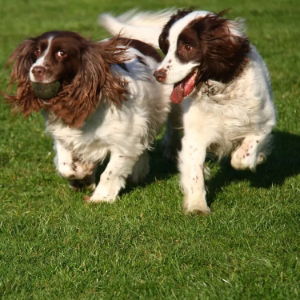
(52, 245)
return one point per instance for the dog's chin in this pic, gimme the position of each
(184, 87)
(46, 91)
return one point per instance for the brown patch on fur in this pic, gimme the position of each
(142, 47)
(80, 96)
(208, 40)
(163, 38)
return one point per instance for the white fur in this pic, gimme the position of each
(238, 113)
(230, 119)
(175, 70)
(145, 26)
(40, 62)
(124, 134)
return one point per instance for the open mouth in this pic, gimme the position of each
(184, 87)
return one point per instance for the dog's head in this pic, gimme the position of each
(81, 67)
(199, 46)
(55, 56)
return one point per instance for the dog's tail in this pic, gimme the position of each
(144, 25)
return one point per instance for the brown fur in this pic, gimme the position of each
(80, 96)
(142, 47)
(221, 55)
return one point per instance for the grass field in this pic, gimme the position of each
(54, 246)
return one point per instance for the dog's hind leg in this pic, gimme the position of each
(141, 168)
(173, 135)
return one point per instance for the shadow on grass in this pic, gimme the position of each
(284, 162)
(160, 169)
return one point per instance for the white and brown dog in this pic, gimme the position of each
(221, 83)
(108, 104)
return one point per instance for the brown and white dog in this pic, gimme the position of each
(219, 80)
(109, 104)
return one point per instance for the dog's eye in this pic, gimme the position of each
(37, 52)
(187, 47)
(61, 53)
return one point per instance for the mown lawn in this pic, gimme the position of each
(52, 245)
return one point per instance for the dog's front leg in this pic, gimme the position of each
(191, 165)
(113, 179)
(80, 174)
(63, 160)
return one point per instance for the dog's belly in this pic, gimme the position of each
(225, 123)
(128, 135)
(86, 149)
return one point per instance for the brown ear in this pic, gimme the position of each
(21, 60)
(94, 82)
(223, 53)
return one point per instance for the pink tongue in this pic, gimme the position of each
(183, 89)
(177, 93)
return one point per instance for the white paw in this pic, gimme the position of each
(106, 192)
(75, 170)
(97, 198)
(243, 159)
(196, 206)
(66, 171)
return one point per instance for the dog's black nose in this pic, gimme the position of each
(160, 75)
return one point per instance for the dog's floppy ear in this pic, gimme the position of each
(94, 82)
(96, 74)
(224, 47)
(21, 59)
(78, 99)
